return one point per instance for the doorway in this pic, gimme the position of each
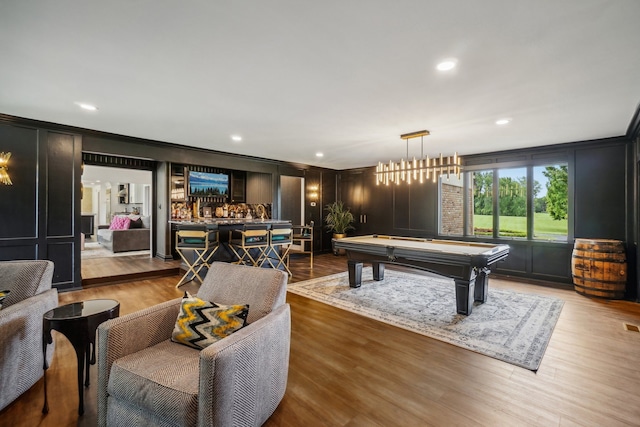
(108, 192)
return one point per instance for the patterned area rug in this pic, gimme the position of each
(512, 327)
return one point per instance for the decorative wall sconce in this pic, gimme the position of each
(418, 170)
(4, 168)
(313, 194)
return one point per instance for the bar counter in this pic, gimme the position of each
(227, 221)
(225, 226)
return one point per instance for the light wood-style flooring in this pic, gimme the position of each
(347, 370)
(98, 271)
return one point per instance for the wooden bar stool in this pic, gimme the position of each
(303, 237)
(202, 242)
(280, 239)
(251, 238)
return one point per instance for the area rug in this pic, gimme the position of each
(511, 326)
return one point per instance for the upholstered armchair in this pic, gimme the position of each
(145, 379)
(31, 295)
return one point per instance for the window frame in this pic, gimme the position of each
(495, 166)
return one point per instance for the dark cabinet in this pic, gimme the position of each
(238, 187)
(415, 209)
(370, 204)
(378, 206)
(403, 209)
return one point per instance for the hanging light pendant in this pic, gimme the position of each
(418, 170)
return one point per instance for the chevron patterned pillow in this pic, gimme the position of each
(201, 323)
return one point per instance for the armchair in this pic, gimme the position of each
(31, 296)
(145, 379)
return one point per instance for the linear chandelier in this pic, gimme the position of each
(417, 170)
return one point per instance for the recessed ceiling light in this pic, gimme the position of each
(236, 138)
(447, 65)
(319, 154)
(87, 107)
(501, 122)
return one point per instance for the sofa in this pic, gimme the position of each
(129, 239)
(30, 296)
(147, 379)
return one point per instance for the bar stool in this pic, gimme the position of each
(202, 242)
(280, 239)
(303, 236)
(252, 237)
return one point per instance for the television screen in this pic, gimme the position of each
(207, 184)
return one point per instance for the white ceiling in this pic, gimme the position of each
(343, 77)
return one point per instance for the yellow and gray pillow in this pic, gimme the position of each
(3, 295)
(201, 323)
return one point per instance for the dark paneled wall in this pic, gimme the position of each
(259, 187)
(600, 192)
(41, 210)
(19, 202)
(328, 194)
(602, 203)
(291, 203)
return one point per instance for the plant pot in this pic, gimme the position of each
(333, 247)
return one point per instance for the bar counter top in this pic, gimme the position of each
(229, 221)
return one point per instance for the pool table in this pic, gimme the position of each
(467, 263)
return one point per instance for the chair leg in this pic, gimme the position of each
(193, 268)
(237, 254)
(283, 259)
(261, 258)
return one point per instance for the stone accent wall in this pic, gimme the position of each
(451, 210)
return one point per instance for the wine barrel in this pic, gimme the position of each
(599, 268)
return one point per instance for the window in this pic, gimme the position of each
(512, 202)
(481, 204)
(551, 200)
(524, 202)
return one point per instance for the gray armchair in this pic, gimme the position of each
(21, 325)
(145, 379)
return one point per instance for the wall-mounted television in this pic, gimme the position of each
(208, 184)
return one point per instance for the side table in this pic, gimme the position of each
(77, 321)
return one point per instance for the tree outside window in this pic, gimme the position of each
(551, 205)
(512, 202)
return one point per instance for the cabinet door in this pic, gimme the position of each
(351, 195)
(377, 206)
(414, 209)
(238, 187)
(136, 193)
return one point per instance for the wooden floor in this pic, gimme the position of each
(98, 271)
(347, 370)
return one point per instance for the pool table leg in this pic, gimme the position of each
(466, 293)
(464, 296)
(355, 273)
(378, 271)
(482, 285)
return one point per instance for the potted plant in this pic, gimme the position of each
(339, 220)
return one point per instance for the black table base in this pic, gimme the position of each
(78, 322)
(474, 287)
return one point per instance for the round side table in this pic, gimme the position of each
(77, 321)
